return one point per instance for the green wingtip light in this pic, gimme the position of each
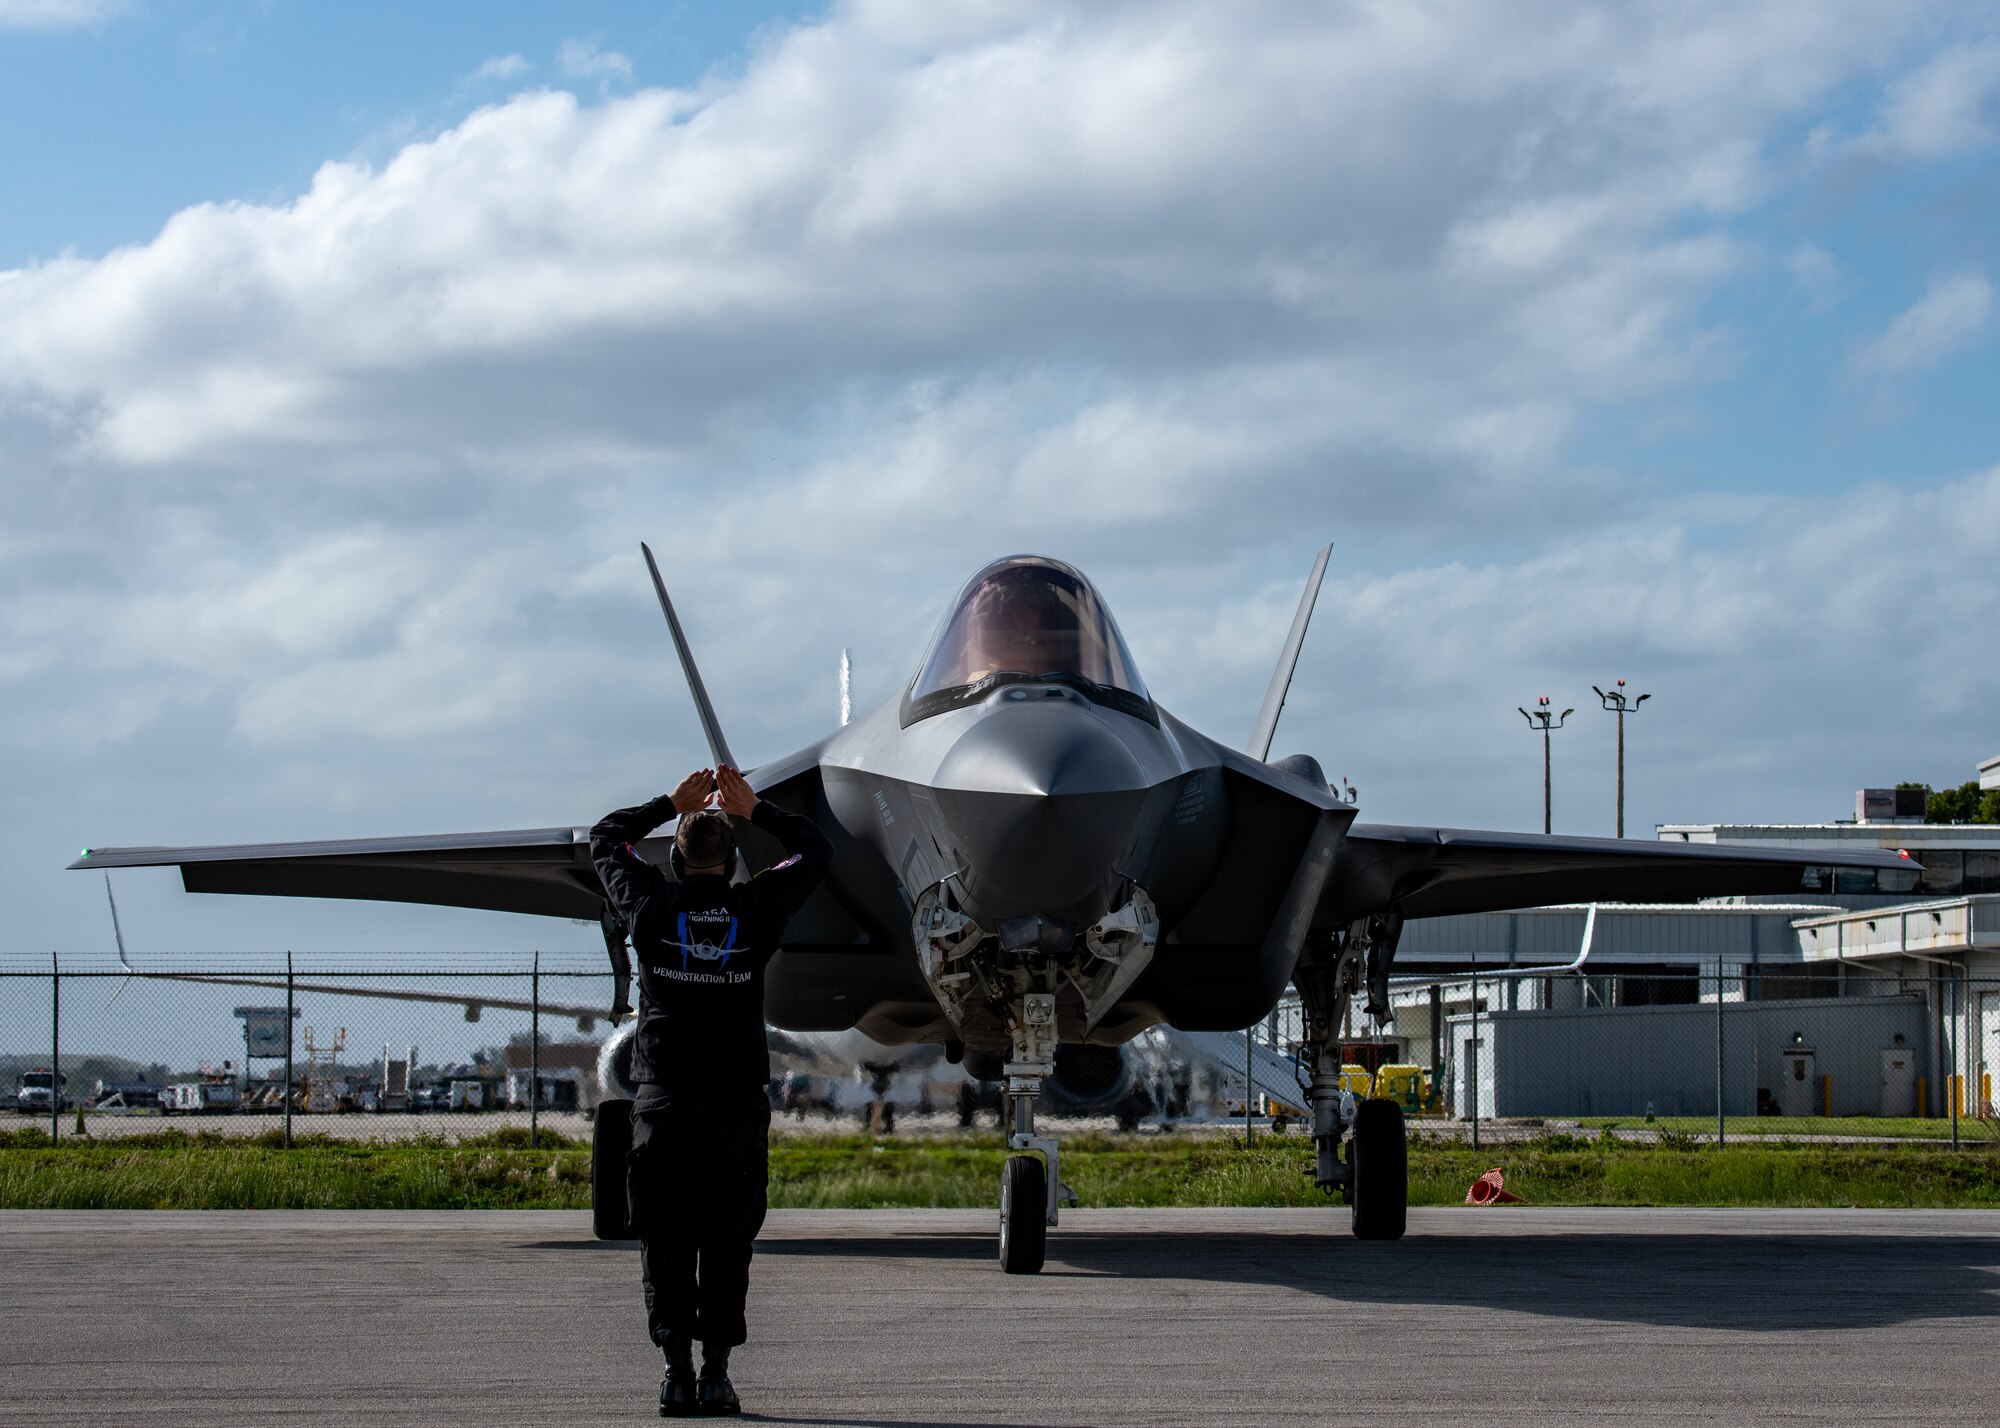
(86, 852)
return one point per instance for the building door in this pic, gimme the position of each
(1899, 1081)
(1475, 1063)
(1798, 1088)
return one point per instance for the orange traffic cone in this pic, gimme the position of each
(1491, 1189)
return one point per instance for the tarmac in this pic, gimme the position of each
(1501, 1315)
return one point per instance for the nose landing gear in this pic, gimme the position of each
(1031, 1187)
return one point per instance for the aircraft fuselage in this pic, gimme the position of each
(1035, 814)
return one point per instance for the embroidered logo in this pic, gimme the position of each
(708, 938)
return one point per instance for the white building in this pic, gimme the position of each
(1911, 955)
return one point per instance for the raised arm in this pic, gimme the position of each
(628, 878)
(782, 888)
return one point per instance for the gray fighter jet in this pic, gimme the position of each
(1032, 854)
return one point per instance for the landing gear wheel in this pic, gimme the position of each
(1024, 1210)
(1379, 1157)
(610, 1147)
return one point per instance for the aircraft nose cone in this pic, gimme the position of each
(1037, 750)
(1041, 802)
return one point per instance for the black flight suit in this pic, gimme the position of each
(699, 1124)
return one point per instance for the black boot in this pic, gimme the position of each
(677, 1385)
(714, 1395)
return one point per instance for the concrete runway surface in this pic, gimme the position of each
(1515, 1315)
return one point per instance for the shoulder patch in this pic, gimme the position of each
(786, 864)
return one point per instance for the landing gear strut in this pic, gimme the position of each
(1011, 975)
(1374, 1176)
(1031, 1188)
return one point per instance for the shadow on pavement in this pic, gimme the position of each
(1712, 1281)
(876, 1422)
(628, 1246)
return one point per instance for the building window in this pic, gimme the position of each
(1944, 872)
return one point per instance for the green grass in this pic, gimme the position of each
(1862, 1127)
(175, 1170)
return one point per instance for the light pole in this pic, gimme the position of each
(1545, 721)
(1615, 701)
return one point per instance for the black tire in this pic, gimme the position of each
(610, 1147)
(1380, 1159)
(1024, 1210)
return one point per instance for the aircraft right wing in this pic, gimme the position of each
(1435, 872)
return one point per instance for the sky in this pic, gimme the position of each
(347, 353)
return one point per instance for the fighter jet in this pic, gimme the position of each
(1032, 854)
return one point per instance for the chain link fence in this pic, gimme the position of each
(1724, 1052)
(303, 1044)
(448, 1047)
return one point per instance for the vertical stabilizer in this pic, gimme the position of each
(1259, 746)
(717, 745)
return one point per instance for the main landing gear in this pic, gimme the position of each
(1031, 1188)
(610, 1147)
(1374, 1177)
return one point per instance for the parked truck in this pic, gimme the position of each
(207, 1095)
(36, 1089)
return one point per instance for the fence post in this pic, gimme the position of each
(1956, 1084)
(1721, 1127)
(535, 1053)
(55, 1047)
(290, 1033)
(1472, 1054)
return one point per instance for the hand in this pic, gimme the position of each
(694, 790)
(737, 799)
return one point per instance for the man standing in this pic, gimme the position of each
(701, 1117)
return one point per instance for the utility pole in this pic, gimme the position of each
(55, 1052)
(1615, 701)
(535, 1053)
(1545, 721)
(291, 1012)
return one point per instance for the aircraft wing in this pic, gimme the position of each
(1435, 872)
(541, 871)
(544, 871)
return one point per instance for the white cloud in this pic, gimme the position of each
(583, 59)
(61, 14)
(1147, 189)
(1939, 108)
(499, 67)
(1954, 313)
(1780, 662)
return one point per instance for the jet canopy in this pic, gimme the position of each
(1027, 619)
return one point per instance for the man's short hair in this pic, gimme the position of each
(704, 838)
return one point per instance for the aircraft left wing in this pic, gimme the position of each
(541, 871)
(544, 872)
(1435, 872)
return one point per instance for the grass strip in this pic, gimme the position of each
(174, 1170)
(1934, 1128)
